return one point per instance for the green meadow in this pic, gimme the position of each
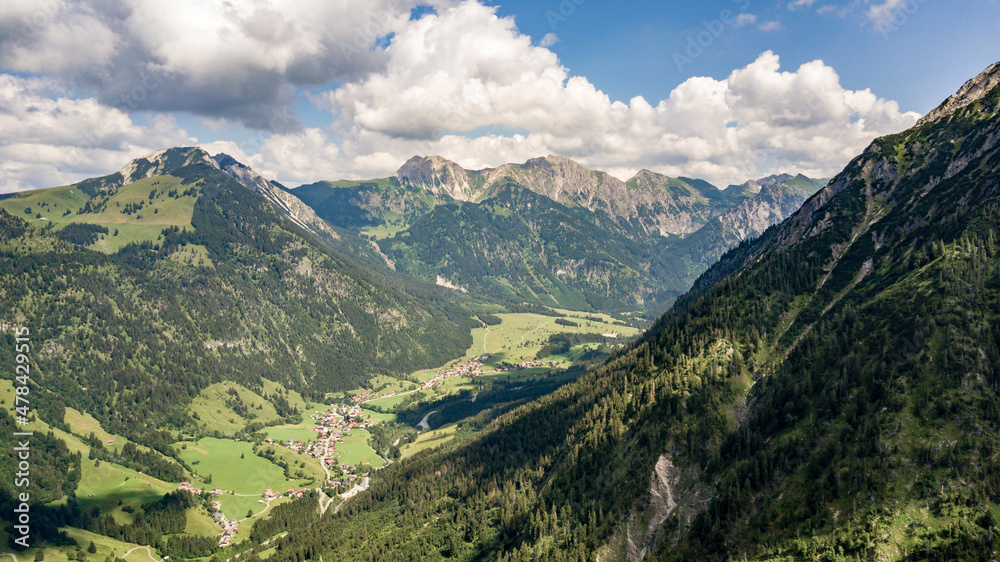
(44, 207)
(147, 223)
(232, 466)
(213, 413)
(48, 208)
(430, 439)
(355, 449)
(301, 432)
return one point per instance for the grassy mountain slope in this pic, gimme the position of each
(829, 391)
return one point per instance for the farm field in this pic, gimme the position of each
(300, 432)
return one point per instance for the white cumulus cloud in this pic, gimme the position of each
(459, 81)
(237, 60)
(50, 139)
(467, 85)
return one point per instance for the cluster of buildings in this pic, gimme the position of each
(229, 526)
(333, 426)
(196, 491)
(471, 368)
(474, 368)
(525, 365)
(270, 494)
(188, 487)
(350, 475)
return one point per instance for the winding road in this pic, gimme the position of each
(148, 553)
(423, 425)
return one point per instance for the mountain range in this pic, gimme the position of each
(553, 232)
(205, 273)
(548, 232)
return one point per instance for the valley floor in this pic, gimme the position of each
(329, 452)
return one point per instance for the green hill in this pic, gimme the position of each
(219, 288)
(827, 392)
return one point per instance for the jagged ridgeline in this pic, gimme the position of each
(552, 232)
(828, 391)
(219, 285)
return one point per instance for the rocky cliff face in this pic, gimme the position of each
(777, 198)
(653, 202)
(973, 91)
(442, 177)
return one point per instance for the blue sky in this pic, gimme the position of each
(303, 90)
(627, 51)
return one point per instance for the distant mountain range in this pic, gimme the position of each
(553, 232)
(548, 232)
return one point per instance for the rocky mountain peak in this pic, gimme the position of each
(971, 92)
(438, 175)
(646, 179)
(774, 179)
(163, 162)
(555, 165)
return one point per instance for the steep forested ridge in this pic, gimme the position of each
(828, 391)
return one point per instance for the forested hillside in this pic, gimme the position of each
(240, 294)
(828, 391)
(521, 246)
